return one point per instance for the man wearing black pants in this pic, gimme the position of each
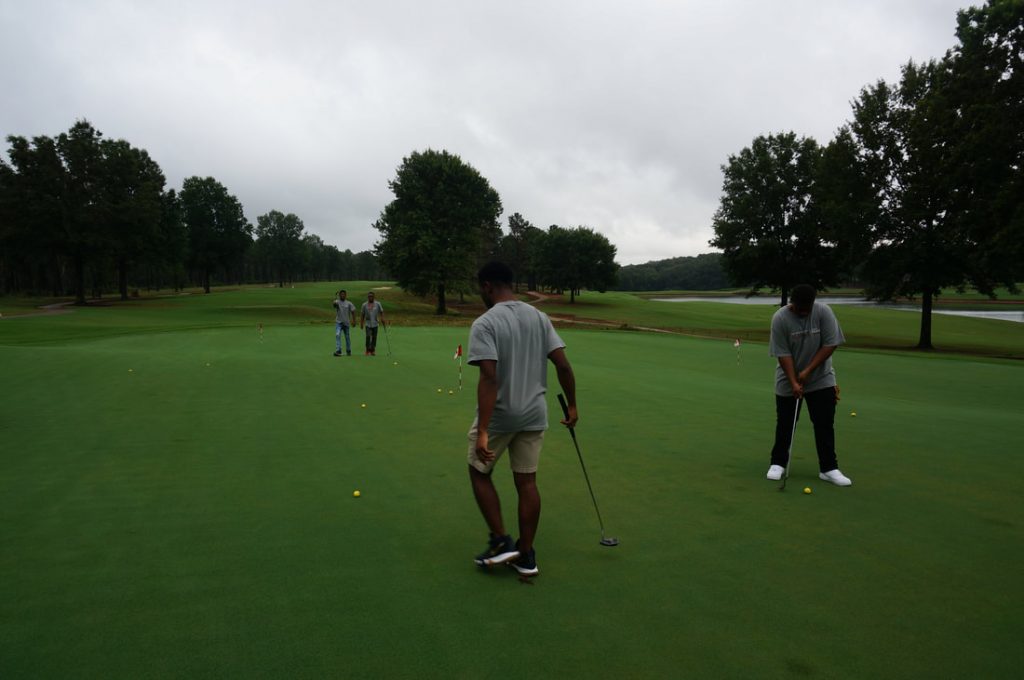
(804, 336)
(370, 314)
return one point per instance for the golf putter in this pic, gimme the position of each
(605, 541)
(792, 436)
(387, 336)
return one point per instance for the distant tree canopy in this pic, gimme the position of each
(441, 225)
(573, 259)
(922, 190)
(701, 272)
(86, 214)
(216, 226)
(279, 244)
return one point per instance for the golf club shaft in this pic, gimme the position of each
(792, 436)
(572, 433)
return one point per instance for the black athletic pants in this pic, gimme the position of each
(821, 404)
(371, 339)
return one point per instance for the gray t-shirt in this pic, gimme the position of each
(371, 312)
(345, 309)
(519, 338)
(801, 338)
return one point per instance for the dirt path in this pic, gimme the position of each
(46, 310)
(539, 297)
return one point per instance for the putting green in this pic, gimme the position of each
(177, 501)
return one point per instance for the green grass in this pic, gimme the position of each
(177, 502)
(864, 327)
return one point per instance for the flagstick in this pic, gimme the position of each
(460, 373)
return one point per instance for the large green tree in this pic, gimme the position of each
(916, 246)
(218, 233)
(168, 253)
(515, 248)
(131, 198)
(578, 258)
(279, 236)
(767, 225)
(984, 87)
(32, 208)
(442, 222)
(925, 185)
(82, 209)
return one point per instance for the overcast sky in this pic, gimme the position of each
(614, 115)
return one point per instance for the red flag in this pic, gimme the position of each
(458, 352)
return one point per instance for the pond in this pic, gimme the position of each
(1007, 315)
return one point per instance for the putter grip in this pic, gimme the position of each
(565, 407)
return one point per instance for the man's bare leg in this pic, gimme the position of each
(487, 500)
(529, 508)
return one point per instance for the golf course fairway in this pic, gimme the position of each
(176, 500)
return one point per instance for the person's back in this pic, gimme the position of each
(521, 338)
(511, 344)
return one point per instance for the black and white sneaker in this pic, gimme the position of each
(526, 565)
(500, 549)
(338, 353)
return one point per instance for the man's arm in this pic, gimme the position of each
(486, 398)
(380, 313)
(790, 370)
(819, 358)
(567, 380)
(352, 313)
(362, 315)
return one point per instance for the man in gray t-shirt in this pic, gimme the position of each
(369, 313)
(511, 344)
(804, 335)
(344, 317)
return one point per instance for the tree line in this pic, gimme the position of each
(922, 189)
(444, 223)
(699, 272)
(84, 214)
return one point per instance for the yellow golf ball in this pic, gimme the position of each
(451, 391)
(854, 414)
(439, 390)
(807, 489)
(362, 406)
(356, 494)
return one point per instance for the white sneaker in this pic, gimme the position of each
(775, 472)
(835, 477)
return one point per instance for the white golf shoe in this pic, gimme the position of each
(775, 472)
(835, 477)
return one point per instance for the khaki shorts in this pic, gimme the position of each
(523, 449)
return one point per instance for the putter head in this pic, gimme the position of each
(609, 542)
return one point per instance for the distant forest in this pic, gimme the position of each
(702, 272)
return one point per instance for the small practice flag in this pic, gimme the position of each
(736, 344)
(458, 356)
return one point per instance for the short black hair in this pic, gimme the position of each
(495, 272)
(342, 291)
(803, 295)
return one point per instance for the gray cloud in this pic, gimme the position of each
(613, 115)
